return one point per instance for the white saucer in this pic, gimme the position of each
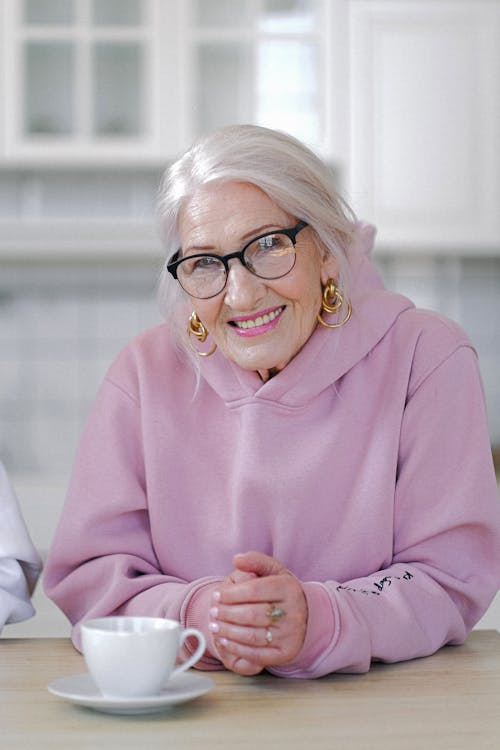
(81, 689)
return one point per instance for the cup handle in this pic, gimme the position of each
(196, 656)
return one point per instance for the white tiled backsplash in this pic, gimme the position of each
(468, 291)
(60, 328)
(61, 325)
(62, 322)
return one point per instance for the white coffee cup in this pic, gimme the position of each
(135, 656)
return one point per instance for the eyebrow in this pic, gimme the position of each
(247, 236)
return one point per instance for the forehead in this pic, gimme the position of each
(227, 212)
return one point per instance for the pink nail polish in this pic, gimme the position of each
(214, 612)
(216, 596)
(223, 641)
(213, 627)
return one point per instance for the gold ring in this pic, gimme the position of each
(269, 636)
(275, 612)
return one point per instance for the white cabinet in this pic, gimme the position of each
(402, 97)
(122, 80)
(425, 113)
(93, 89)
(83, 79)
(272, 63)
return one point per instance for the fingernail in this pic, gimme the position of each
(214, 612)
(216, 596)
(213, 627)
(223, 641)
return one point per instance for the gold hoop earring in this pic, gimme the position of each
(196, 327)
(332, 302)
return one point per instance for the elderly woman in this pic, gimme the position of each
(20, 563)
(297, 462)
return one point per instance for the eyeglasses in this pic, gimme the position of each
(268, 256)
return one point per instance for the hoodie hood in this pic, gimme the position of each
(329, 353)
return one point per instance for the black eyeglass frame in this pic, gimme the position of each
(291, 233)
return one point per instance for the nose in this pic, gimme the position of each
(243, 288)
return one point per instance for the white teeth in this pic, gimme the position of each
(260, 321)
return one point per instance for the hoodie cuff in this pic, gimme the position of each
(319, 634)
(195, 614)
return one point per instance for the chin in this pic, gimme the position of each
(256, 356)
(247, 362)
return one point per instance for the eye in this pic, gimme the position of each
(203, 263)
(270, 247)
(271, 242)
(207, 262)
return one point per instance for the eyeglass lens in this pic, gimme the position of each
(268, 257)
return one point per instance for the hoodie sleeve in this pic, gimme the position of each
(20, 563)
(102, 559)
(445, 568)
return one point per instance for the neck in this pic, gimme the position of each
(266, 375)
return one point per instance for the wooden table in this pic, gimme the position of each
(450, 700)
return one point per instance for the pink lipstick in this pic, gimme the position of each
(256, 325)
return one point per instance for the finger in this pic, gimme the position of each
(238, 576)
(254, 615)
(257, 655)
(258, 563)
(246, 668)
(238, 665)
(253, 591)
(255, 637)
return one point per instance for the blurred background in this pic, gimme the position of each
(98, 96)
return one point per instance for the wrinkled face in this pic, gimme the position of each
(259, 324)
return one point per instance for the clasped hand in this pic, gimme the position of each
(247, 635)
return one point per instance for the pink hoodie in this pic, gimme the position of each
(364, 467)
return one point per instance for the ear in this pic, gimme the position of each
(329, 267)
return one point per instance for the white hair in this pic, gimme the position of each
(297, 180)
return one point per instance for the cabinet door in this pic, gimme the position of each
(81, 78)
(117, 80)
(425, 107)
(258, 61)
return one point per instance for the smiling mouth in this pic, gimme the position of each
(259, 321)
